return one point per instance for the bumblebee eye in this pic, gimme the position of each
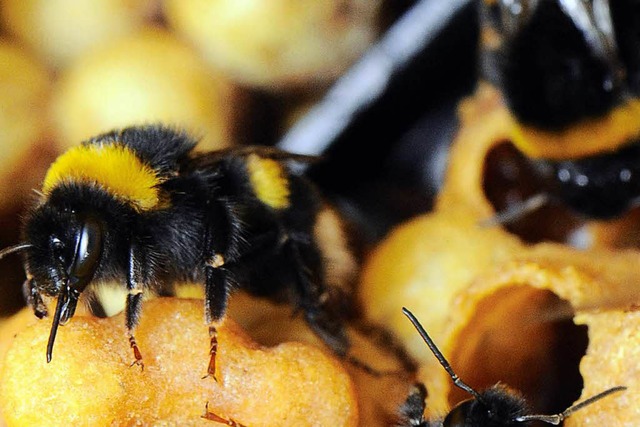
(87, 253)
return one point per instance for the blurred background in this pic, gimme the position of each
(240, 72)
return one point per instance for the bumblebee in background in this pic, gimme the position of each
(569, 71)
(497, 406)
(140, 207)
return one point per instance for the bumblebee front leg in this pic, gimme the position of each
(216, 290)
(134, 304)
(33, 297)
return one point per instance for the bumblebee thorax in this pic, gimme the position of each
(113, 167)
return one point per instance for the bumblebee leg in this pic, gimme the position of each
(380, 337)
(132, 315)
(208, 415)
(213, 352)
(314, 299)
(328, 328)
(221, 243)
(33, 297)
(216, 292)
(133, 305)
(323, 313)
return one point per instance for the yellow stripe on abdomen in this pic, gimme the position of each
(114, 167)
(269, 181)
(591, 137)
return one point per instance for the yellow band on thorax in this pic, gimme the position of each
(114, 167)
(269, 181)
(590, 137)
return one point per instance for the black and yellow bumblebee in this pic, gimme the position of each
(497, 406)
(140, 206)
(569, 71)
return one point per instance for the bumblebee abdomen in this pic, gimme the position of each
(551, 77)
(614, 130)
(269, 181)
(568, 72)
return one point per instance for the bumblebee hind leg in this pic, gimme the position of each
(208, 415)
(326, 309)
(217, 285)
(314, 299)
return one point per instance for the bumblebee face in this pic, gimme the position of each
(65, 252)
(499, 410)
(66, 249)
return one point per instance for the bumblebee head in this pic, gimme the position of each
(64, 251)
(497, 406)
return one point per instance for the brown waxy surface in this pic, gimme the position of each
(89, 381)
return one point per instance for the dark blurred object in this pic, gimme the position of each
(385, 127)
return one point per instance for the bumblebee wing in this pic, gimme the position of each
(210, 160)
(277, 154)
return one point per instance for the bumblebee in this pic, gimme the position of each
(141, 207)
(497, 406)
(569, 71)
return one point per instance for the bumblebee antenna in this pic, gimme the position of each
(518, 211)
(438, 354)
(15, 248)
(558, 418)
